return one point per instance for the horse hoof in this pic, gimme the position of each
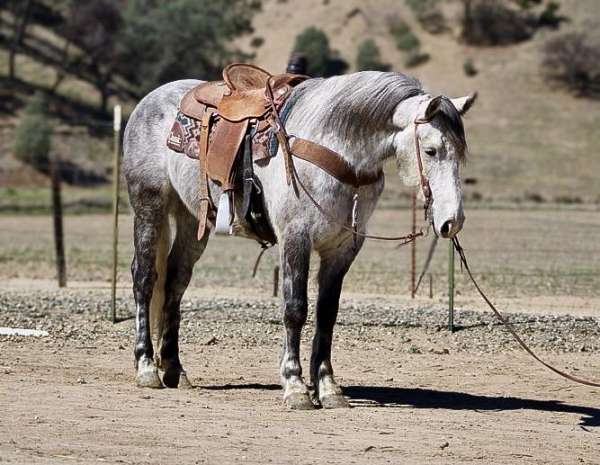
(184, 382)
(149, 379)
(334, 401)
(176, 379)
(299, 401)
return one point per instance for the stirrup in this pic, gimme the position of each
(223, 223)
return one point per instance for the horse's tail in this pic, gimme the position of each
(158, 293)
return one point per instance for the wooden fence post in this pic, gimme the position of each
(275, 280)
(115, 241)
(57, 214)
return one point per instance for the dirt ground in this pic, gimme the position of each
(419, 393)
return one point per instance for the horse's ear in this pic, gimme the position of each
(433, 107)
(463, 104)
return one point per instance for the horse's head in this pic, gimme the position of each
(435, 126)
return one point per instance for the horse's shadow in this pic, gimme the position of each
(381, 396)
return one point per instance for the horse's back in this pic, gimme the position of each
(145, 152)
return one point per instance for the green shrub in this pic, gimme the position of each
(527, 4)
(257, 42)
(469, 68)
(420, 6)
(33, 136)
(429, 15)
(404, 37)
(415, 59)
(313, 43)
(550, 17)
(369, 57)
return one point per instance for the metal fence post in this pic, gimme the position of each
(413, 248)
(116, 176)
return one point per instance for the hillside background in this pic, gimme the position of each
(530, 140)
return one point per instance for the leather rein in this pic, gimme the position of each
(293, 178)
(509, 326)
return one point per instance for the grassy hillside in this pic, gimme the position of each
(528, 141)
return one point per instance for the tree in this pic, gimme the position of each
(369, 57)
(33, 136)
(20, 14)
(166, 40)
(572, 61)
(313, 43)
(491, 22)
(94, 26)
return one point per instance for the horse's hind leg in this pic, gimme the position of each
(295, 257)
(331, 275)
(148, 228)
(186, 251)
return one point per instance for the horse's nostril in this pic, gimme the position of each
(446, 228)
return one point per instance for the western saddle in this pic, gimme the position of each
(227, 125)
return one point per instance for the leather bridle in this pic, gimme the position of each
(426, 188)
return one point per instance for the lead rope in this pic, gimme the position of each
(353, 228)
(509, 326)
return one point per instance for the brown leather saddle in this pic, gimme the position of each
(229, 124)
(238, 104)
(222, 122)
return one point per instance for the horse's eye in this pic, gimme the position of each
(431, 152)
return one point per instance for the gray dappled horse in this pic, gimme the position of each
(368, 118)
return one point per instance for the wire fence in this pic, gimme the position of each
(513, 251)
(507, 269)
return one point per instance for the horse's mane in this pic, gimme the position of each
(357, 105)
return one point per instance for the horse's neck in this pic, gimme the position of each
(366, 155)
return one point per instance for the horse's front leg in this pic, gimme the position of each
(295, 258)
(334, 267)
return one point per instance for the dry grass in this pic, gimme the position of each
(515, 252)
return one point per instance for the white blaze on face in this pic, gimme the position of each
(447, 207)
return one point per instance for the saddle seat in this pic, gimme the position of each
(236, 101)
(240, 95)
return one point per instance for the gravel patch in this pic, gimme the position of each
(80, 317)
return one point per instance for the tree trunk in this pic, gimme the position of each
(104, 95)
(61, 72)
(20, 24)
(467, 25)
(57, 215)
